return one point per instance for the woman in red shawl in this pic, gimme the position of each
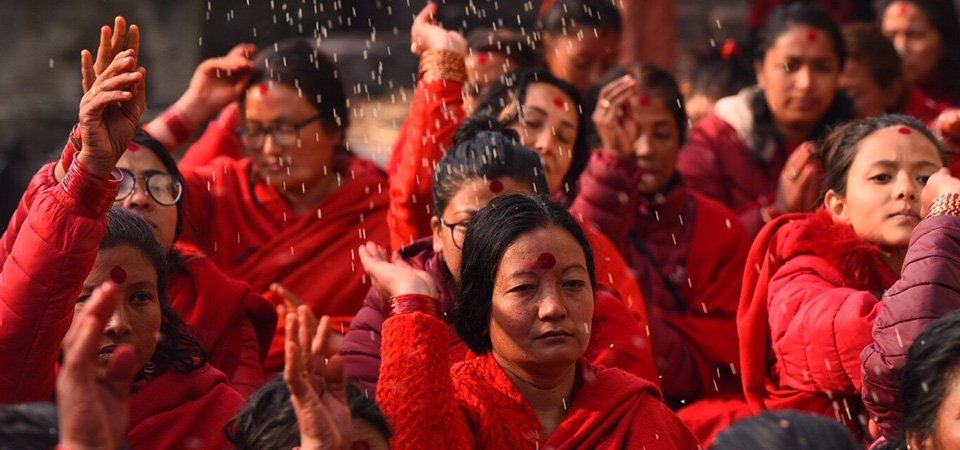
(68, 245)
(526, 299)
(631, 191)
(814, 281)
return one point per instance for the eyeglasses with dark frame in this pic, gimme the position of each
(164, 188)
(458, 231)
(283, 134)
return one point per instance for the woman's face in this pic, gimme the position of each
(472, 196)
(917, 41)
(946, 426)
(882, 202)
(483, 69)
(137, 318)
(581, 58)
(799, 76)
(542, 306)
(548, 123)
(657, 144)
(295, 166)
(162, 219)
(869, 98)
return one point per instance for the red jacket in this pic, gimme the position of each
(811, 295)
(716, 161)
(617, 340)
(698, 249)
(43, 273)
(928, 288)
(234, 325)
(474, 405)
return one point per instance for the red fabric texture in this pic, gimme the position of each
(436, 112)
(618, 340)
(928, 288)
(810, 298)
(696, 249)
(182, 411)
(474, 405)
(234, 324)
(252, 233)
(924, 108)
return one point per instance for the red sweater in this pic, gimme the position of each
(806, 313)
(617, 339)
(474, 405)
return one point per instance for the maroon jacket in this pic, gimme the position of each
(716, 161)
(698, 249)
(617, 339)
(928, 288)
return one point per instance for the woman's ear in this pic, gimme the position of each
(836, 205)
(437, 228)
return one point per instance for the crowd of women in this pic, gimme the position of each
(562, 252)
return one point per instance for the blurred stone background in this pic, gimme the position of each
(40, 81)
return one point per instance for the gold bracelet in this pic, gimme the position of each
(436, 64)
(945, 204)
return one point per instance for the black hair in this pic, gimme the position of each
(567, 16)
(650, 79)
(927, 377)
(484, 148)
(511, 89)
(780, 21)
(942, 14)
(299, 64)
(786, 429)
(29, 425)
(513, 45)
(144, 140)
(268, 421)
(176, 349)
(491, 232)
(720, 71)
(866, 43)
(840, 148)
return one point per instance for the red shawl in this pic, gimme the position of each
(234, 324)
(177, 411)
(254, 235)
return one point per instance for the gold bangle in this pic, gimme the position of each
(945, 204)
(436, 64)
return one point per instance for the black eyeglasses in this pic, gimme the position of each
(163, 188)
(458, 231)
(283, 134)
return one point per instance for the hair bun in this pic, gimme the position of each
(473, 126)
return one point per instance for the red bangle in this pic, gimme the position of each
(83, 186)
(177, 126)
(408, 303)
(71, 148)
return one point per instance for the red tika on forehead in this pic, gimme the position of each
(812, 35)
(559, 101)
(904, 130)
(118, 275)
(546, 261)
(496, 186)
(483, 58)
(263, 88)
(133, 147)
(644, 100)
(904, 8)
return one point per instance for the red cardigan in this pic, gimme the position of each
(474, 405)
(617, 339)
(807, 310)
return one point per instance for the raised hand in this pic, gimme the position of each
(217, 82)
(112, 42)
(939, 184)
(318, 386)
(612, 118)
(392, 278)
(93, 406)
(110, 112)
(427, 34)
(800, 181)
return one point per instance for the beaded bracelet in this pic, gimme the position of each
(945, 204)
(82, 185)
(408, 303)
(436, 64)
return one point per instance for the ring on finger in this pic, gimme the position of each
(93, 91)
(605, 103)
(794, 174)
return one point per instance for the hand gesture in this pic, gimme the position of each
(427, 34)
(800, 181)
(112, 42)
(394, 278)
(280, 295)
(939, 183)
(217, 82)
(93, 408)
(949, 124)
(318, 386)
(110, 112)
(612, 118)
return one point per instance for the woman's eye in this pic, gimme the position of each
(922, 179)
(141, 297)
(83, 298)
(881, 178)
(575, 284)
(523, 288)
